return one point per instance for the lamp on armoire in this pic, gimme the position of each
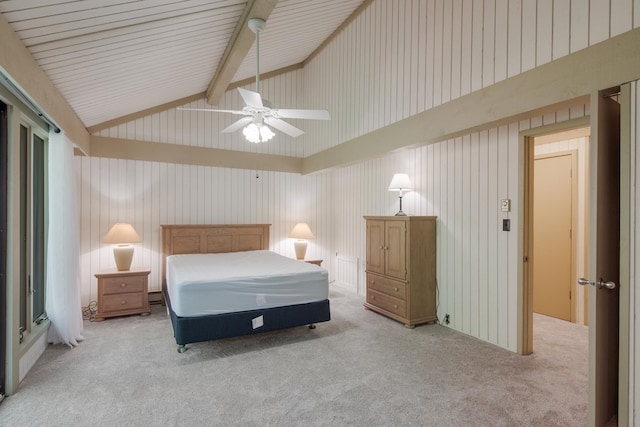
(301, 232)
(400, 182)
(122, 234)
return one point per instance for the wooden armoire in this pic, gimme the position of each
(401, 268)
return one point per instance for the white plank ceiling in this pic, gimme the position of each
(111, 58)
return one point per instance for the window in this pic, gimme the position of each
(32, 228)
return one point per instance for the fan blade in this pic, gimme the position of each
(251, 98)
(237, 125)
(283, 126)
(301, 114)
(212, 110)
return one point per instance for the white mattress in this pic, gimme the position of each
(203, 284)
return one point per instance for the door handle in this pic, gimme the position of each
(600, 283)
(584, 282)
(608, 285)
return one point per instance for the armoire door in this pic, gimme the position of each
(396, 250)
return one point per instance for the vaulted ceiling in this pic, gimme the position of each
(114, 58)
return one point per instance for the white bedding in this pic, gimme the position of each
(203, 284)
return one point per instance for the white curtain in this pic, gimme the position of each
(63, 286)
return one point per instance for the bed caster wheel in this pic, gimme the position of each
(312, 326)
(182, 349)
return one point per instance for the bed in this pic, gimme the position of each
(207, 299)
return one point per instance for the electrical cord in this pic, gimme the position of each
(89, 312)
(438, 322)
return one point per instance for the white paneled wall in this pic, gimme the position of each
(399, 58)
(461, 181)
(148, 194)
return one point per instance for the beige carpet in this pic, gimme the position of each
(359, 369)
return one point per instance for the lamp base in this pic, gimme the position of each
(301, 248)
(123, 255)
(400, 213)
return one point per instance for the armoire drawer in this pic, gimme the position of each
(387, 286)
(394, 305)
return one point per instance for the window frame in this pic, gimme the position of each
(19, 356)
(32, 263)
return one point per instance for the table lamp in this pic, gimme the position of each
(301, 232)
(122, 234)
(400, 182)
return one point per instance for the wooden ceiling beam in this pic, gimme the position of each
(237, 48)
(18, 63)
(146, 112)
(264, 76)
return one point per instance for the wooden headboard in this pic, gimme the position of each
(216, 238)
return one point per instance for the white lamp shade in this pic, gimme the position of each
(301, 231)
(400, 182)
(122, 233)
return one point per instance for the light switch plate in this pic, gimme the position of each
(505, 205)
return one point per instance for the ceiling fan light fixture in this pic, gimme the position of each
(257, 133)
(266, 133)
(258, 113)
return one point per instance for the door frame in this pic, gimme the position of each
(525, 292)
(627, 214)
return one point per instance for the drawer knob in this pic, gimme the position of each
(123, 285)
(123, 302)
(395, 306)
(373, 282)
(395, 289)
(373, 297)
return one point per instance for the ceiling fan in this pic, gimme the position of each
(258, 113)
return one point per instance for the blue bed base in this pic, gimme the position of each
(188, 330)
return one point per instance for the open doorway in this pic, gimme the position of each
(608, 253)
(560, 224)
(557, 220)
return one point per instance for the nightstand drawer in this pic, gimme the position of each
(119, 285)
(387, 286)
(386, 302)
(122, 302)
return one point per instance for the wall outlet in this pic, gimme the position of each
(446, 319)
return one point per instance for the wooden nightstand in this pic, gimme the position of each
(121, 293)
(317, 262)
